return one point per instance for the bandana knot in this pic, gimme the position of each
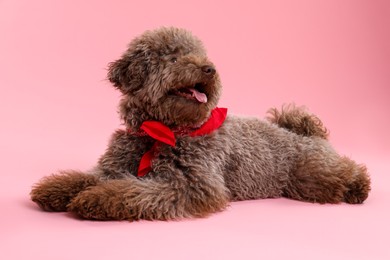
(162, 134)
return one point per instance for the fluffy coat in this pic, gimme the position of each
(165, 76)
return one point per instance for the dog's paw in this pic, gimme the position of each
(98, 203)
(53, 193)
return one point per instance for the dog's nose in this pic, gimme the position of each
(209, 70)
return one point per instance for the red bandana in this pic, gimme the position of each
(163, 134)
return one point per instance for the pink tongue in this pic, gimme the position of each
(201, 97)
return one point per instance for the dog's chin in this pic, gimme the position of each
(185, 110)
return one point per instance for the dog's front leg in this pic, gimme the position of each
(53, 193)
(151, 199)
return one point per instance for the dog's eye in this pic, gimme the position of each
(174, 60)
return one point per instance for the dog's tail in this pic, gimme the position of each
(297, 120)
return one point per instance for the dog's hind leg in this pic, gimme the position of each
(358, 183)
(297, 120)
(325, 177)
(53, 193)
(151, 199)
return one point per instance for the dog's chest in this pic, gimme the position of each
(189, 154)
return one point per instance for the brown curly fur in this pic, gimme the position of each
(297, 120)
(245, 158)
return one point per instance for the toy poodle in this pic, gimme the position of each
(181, 156)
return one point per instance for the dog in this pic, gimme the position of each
(181, 156)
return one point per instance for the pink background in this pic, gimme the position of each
(58, 111)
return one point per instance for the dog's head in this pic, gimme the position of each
(166, 76)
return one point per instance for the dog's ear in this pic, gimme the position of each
(117, 72)
(127, 73)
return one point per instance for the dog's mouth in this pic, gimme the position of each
(195, 92)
